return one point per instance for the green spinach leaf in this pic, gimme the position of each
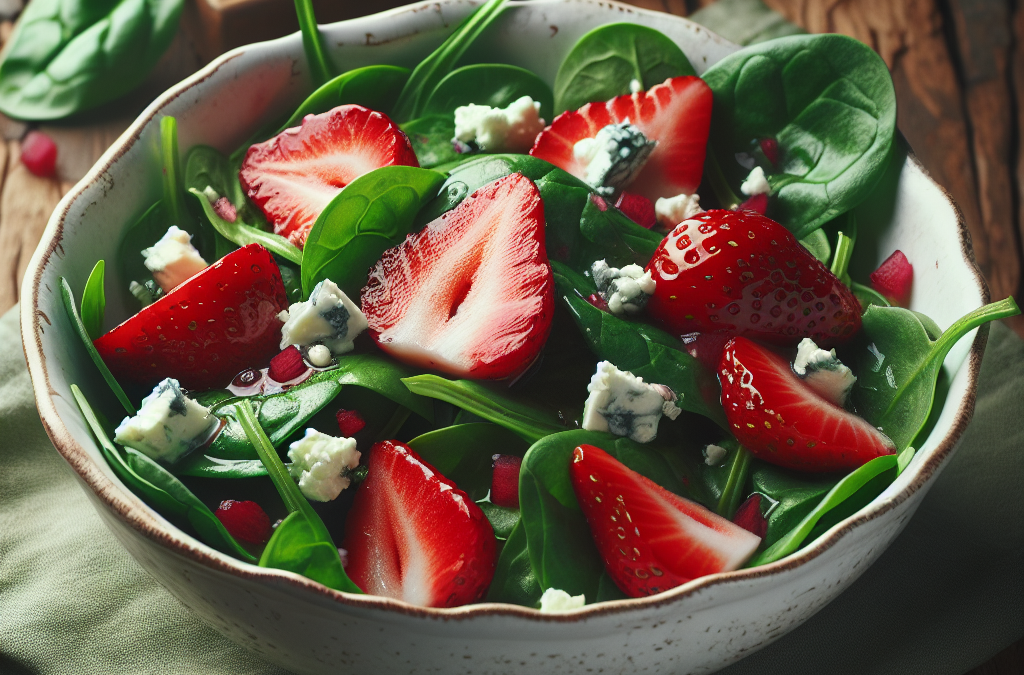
(431, 139)
(242, 234)
(374, 87)
(462, 453)
(94, 302)
(493, 84)
(503, 519)
(788, 495)
(320, 67)
(514, 581)
(726, 482)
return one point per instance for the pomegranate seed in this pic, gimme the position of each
(245, 521)
(770, 148)
(748, 516)
(637, 208)
(287, 365)
(505, 480)
(598, 301)
(894, 278)
(225, 209)
(39, 154)
(350, 422)
(758, 203)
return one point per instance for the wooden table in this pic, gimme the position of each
(958, 67)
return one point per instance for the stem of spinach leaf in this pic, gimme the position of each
(732, 493)
(841, 260)
(320, 67)
(172, 179)
(398, 418)
(991, 312)
(286, 487)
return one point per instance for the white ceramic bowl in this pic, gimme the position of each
(299, 624)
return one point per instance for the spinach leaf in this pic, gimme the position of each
(372, 214)
(431, 70)
(818, 244)
(200, 465)
(94, 302)
(829, 102)
(431, 138)
(462, 453)
(241, 234)
(514, 581)
(76, 323)
(493, 84)
(172, 176)
(158, 488)
(900, 364)
(503, 519)
(386, 377)
(373, 87)
(66, 56)
(320, 67)
(727, 481)
(604, 61)
(791, 495)
(304, 545)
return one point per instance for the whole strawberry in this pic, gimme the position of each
(741, 273)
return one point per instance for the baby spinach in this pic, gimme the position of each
(301, 543)
(200, 465)
(603, 62)
(374, 87)
(503, 519)
(818, 244)
(493, 84)
(899, 365)
(829, 102)
(727, 481)
(66, 56)
(173, 179)
(320, 67)
(514, 581)
(94, 302)
(242, 234)
(158, 488)
(788, 496)
(462, 453)
(372, 214)
(431, 139)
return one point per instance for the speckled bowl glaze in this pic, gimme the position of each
(305, 627)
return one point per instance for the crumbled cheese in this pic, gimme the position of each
(613, 157)
(755, 183)
(671, 211)
(714, 455)
(321, 462)
(511, 129)
(623, 404)
(169, 424)
(823, 372)
(555, 600)
(635, 87)
(173, 259)
(625, 289)
(328, 317)
(319, 355)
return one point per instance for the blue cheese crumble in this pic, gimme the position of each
(756, 183)
(625, 405)
(613, 158)
(168, 426)
(328, 318)
(173, 258)
(321, 464)
(823, 372)
(625, 289)
(671, 211)
(510, 129)
(555, 600)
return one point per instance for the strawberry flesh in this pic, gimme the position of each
(758, 204)
(505, 480)
(297, 173)
(676, 114)
(287, 365)
(749, 516)
(39, 154)
(637, 208)
(245, 521)
(350, 422)
(413, 536)
(650, 539)
(894, 278)
(738, 272)
(782, 420)
(471, 294)
(213, 326)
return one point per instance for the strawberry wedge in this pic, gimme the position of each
(650, 539)
(782, 420)
(208, 329)
(412, 535)
(675, 113)
(471, 294)
(293, 176)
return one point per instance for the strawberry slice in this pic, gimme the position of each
(651, 540)
(675, 113)
(894, 278)
(413, 536)
(211, 327)
(781, 420)
(295, 174)
(471, 294)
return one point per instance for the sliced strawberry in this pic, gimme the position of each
(651, 540)
(350, 422)
(245, 521)
(471, 294)
(413, 536)
(676, 114)
(740, 273)
(781, 420)
(213, 326)
(894, 278)
(757, 204)
(505, 480)
(637, 208)
(749, 516)
(295, 174)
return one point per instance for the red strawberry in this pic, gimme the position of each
(781, 420)
(350, 422)
(471, 294)
(295, 174)
(39, 154)
(505, 480)
(676, 113)
(749, 516)
(638, 209)
(650, 539)
(757, 204)
(894, 278)
(738, 272)
(413, 536)
(216, 324)
(245, 521)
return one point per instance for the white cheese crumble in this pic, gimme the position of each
(319, 355)
(328, 317)
(714, 455)
(511, 129)
(625, 289)
(555, 600)
(635, 87)
(624, 404)
(321, 462)
(823, 372)
(613, 157)
(755, 183)
(671, 211)
(173, 259)
(169, 424)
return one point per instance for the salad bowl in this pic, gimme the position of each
(305, 627)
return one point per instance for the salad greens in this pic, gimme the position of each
(320, 67)
(374, 87)
(94, 302)
(493, 84)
